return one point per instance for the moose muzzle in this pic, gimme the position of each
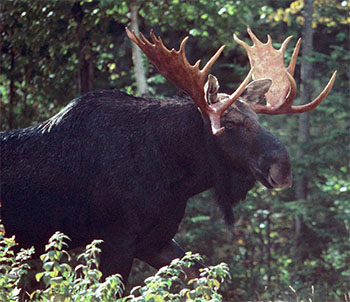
(280, 176)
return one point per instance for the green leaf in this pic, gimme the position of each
(38, 276)
(56, 280)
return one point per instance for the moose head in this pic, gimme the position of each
(239, 138)
(240, 141)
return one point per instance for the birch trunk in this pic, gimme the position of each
(301, 182)
(140, 73)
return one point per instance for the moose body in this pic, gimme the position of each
(119, 168)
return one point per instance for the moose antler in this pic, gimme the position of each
(174, 66)
(268, 62)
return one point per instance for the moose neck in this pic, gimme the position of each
(191, 151)
(182, 141)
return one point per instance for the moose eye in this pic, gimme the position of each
(229, 125)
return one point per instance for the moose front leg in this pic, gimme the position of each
(158, 257)
(116, 260)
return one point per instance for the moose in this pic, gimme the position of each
(121, 168)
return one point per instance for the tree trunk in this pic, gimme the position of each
(12, 94)
(86, 64)
(301, 182)
(306, 89)
(140, 73)
(86, 70)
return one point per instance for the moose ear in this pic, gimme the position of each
(211, 89)
(255, 91)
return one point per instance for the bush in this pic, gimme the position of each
(12, 268)
(64, 283)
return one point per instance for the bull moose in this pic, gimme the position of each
(121, 168)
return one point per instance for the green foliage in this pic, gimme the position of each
(12, 268)
(205, 288)
(83, 282)
(264, 257)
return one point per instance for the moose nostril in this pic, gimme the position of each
(280, 176)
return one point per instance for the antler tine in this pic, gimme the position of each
(182, 50)
(134, 37)
(143, 38)
(158, 42)
(213, 59)
(291, 95)
(253, 37)
(154, 37)
(312, 105)
(269, 40)
(242, 43)
(235, 95)
(293, 61)
(283, 48)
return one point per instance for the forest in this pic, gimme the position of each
(286, 244)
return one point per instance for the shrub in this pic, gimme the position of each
(12, 268)
(83, 282)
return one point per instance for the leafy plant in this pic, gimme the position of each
(164, 285)
(83, 282)
(12, 268)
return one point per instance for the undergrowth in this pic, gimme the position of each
(60, 281)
